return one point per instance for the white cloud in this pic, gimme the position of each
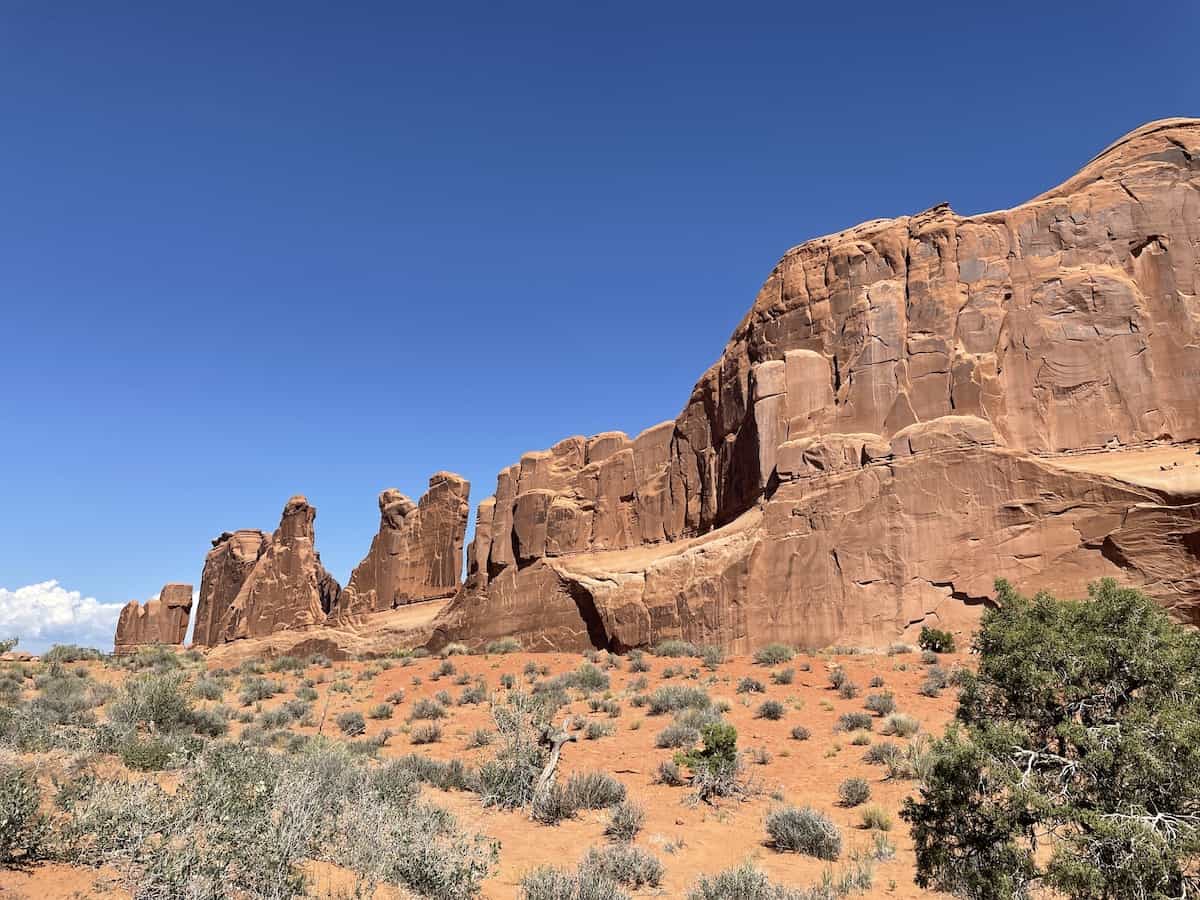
(47, 613)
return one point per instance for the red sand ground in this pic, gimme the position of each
(689, 838)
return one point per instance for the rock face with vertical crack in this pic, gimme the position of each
(418, 552)
(879, 438)
(163, 620)
(226, 568)
(287, 588)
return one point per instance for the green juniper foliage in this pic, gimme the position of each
(1074, 766)
(935, 640)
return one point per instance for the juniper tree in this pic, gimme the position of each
(1074, 764)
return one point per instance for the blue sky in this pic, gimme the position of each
(331, 248)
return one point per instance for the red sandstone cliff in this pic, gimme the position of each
(882, 435)
(160, 621)
(417, 554)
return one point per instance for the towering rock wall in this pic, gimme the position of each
(287, 587)
(871, 447)
(160, 621)
(417, 554)
(226, 568)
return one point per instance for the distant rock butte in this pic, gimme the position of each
(226, 568)
(288, 587)
(878, 440)
(163, 620)
(256, 585)
(417, 554)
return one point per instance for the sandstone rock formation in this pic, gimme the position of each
(286, 588)
(160, 621)
(417, 554)
(881, 436)
(226, 568)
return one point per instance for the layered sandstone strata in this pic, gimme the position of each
(226, 568)
(877, 441)
(287, 587)
(163, 620)
(417, 554)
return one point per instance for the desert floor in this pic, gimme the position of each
(689, 837)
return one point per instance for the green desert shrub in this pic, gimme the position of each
(716, 766)
(507, 780)
(153, 701)
(745, 883)
(876, 818)
(593, 790)
(153, 657)
(552, 883)
(213, 722)
(625, 864)
(771, 710)
(148, 753)
(596, 729)
(448, 776)
(750, 685)
(64, 698)
(625, 821)
(425, 733)
(503, 645)
(587, 678)
(480, 737)
(279, 717)
(882, 704)
(1082, 722)
(23, 829)
(914, 763)
(804, 830)
(854, 792)
(935, 640)
(854, 721)
(900, 725)
(668, 773)
(637, 661)
(677, 736)
(552, 805)
(675, 649)
(351, 723)
(256, 688)
(773, 654)
(66, 653)
(712, 657)
(783, 676)
(322, 804)
(426, 708)
(882, 754)
(674, 697)
(380, 711)
(206, 688)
